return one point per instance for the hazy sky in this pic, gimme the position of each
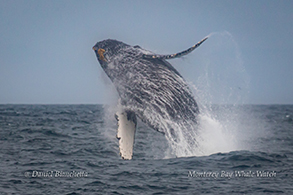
(46, 47)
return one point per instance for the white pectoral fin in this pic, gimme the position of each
(126, 131)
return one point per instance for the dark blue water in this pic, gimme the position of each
(72, 149)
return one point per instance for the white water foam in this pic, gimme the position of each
(207, 137)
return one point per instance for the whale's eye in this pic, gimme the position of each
(101, 54)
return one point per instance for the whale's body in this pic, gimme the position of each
(149, 87)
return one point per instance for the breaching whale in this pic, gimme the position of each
(149, 88)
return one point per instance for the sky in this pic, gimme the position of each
(47, 58)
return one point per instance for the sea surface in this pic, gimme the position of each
(72, 149)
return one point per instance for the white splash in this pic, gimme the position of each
(222, 82)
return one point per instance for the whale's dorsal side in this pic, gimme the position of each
(176, 55)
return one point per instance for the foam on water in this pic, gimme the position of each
(207, 137)
(214, 137)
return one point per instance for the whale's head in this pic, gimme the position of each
(107, 50)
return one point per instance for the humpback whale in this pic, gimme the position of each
(149, 87)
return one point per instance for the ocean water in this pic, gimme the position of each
(72, 149)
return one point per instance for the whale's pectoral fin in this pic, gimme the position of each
(126, 131)
(176, 55)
